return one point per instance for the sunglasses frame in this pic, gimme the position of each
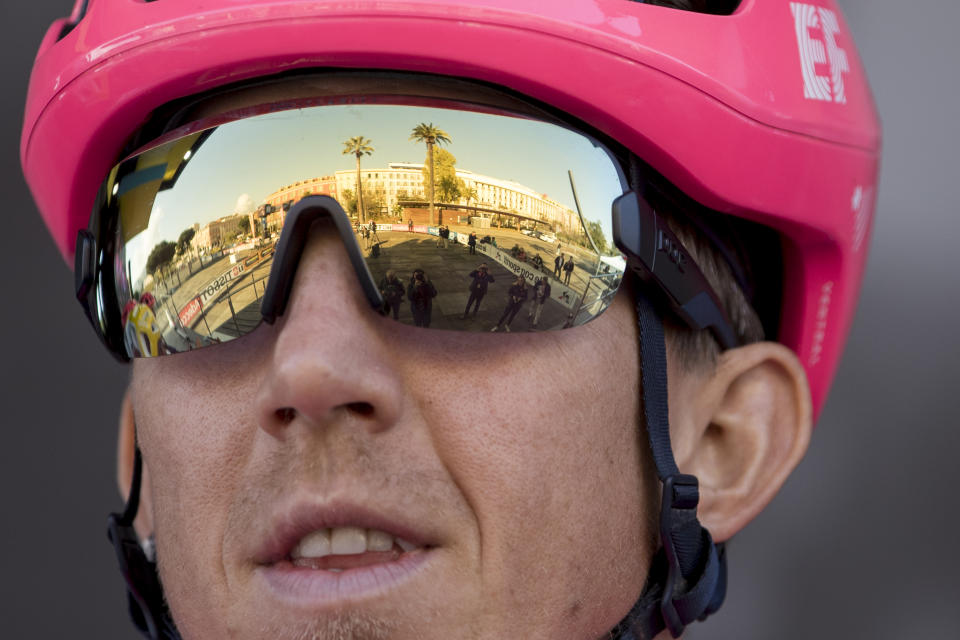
(637, 231)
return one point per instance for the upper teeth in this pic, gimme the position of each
(341, 541)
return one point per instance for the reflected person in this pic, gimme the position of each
(421, 293)
(392, 291)
(478, 288)
(541, 293)
(515, 299)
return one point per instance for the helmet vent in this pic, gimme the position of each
(79, 11)
(714, 7)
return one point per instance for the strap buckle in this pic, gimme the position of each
(678, 511)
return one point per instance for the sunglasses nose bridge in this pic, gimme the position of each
(290, 248)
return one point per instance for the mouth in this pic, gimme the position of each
(343, 548)
(325, 557)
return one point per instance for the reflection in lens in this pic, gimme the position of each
(497, 244)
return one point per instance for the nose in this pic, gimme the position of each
(330, 359)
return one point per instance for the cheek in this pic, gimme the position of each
(193, 437)
(544, 447)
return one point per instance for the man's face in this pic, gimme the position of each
(528, 518)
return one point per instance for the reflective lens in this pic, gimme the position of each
(511, 234)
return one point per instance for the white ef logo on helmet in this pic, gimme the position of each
(822, 62)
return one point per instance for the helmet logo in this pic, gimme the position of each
(822, 61)
(673, 250)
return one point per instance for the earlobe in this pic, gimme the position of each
(754, 427)
(126, 444)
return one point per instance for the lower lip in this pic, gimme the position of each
(316, 588)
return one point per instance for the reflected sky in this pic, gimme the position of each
(247, 160)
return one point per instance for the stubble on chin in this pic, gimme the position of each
(344, 626)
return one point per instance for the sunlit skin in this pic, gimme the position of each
(515, 457)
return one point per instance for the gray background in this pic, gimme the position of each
(861, 543)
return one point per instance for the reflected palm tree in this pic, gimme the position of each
(358, 146)
(431, 135)
(470, 195)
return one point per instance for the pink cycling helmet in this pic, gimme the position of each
(763, 114)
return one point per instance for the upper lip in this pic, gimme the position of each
(288, 526)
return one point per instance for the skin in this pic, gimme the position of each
(533, 484)
(507, 484)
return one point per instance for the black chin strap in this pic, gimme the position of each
(688, 575)
(144, 592)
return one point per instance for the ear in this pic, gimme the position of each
(126, 442)
(741, 429)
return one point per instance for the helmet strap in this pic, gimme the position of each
(144, 591)
(687, 578)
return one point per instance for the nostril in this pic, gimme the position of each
(364, 409)
(286, 415)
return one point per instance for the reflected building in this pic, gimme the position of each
(399, 182)
(507, 195)
(404, 181)
(322, 186)
(216, 232)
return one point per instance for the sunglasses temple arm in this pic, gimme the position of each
(658, 257)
